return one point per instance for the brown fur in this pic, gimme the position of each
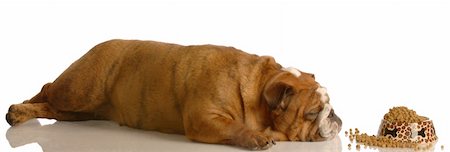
(210, 93)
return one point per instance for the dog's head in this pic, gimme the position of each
(300, 107)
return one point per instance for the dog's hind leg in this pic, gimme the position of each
(19, 113)
(39, 107)
(41, 96)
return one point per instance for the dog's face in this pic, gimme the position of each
(300, 107)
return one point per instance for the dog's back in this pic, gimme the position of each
(146, 84)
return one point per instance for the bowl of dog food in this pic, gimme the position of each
(405, 125)
(400, 128)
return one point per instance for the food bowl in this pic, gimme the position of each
(421, 133)
(400, 128)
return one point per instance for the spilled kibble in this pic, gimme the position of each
(381, 141)
(351, 138)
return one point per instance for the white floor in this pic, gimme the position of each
(107, 136)
(98, 136)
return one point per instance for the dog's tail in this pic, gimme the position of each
(41, 96)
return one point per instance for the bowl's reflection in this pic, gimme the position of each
(108, 136)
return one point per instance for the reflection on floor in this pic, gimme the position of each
(101, 136)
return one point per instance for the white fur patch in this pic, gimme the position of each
(292, 70)
(323, 94)
(327, 128)
(324, 113)
(324, 122)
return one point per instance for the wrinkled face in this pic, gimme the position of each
(301, 108)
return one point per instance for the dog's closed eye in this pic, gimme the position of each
(312, 115)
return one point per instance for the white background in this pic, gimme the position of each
(371, 55)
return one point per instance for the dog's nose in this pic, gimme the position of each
(331, 115)
(334, 117)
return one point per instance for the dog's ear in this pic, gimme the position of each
(280, 86)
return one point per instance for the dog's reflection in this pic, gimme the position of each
(108, 136)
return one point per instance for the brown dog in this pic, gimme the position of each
(212, 94)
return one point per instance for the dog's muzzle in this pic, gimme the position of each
(329, 123)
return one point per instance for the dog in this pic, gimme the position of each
(211, 94)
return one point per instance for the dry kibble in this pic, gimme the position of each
(358, 147)
(381, 141)
(403, 114)
(351, 138)
(442, 147)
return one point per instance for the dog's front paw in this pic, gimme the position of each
(256, 141)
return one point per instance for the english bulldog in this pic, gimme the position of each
(211, 94)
